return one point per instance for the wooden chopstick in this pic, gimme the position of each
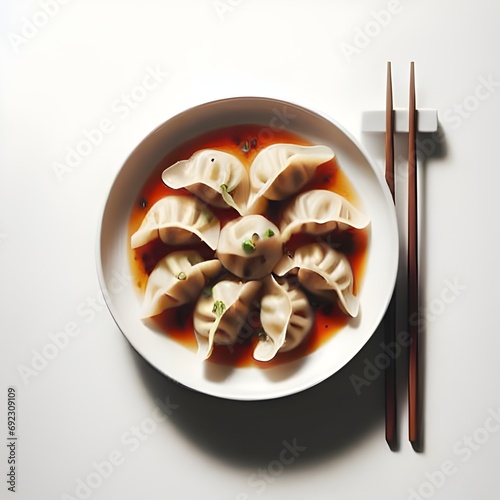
(389, 134)
(413, 371)
(390, 316)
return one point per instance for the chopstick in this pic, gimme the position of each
(390, 316)
(413, 371)
(389, 134)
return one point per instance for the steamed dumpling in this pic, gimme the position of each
(177, 279)
(280, 170)
(178, 220)
(301, 320)
(323, 271)
(286, 317)
(218, 178)
(250, 246)
(219, 318)
(318, 212)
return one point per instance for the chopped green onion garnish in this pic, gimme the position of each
(246, 147)
(219, 308)
(248, 246)
(182, 276)
(269, 232)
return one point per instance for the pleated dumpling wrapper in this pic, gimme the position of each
(324, 272)
(178, 220)
(218, 317)
(286, 318)
(177, 279)
(250, 246)
(216, 177)
(320, 211)
(280, 170)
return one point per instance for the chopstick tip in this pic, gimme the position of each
(392, 443)
(417, 445)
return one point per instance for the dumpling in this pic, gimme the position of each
(178, 220)
(281, 170)
(301, 320)
(323, 271)
(219, 318)
(286, 317)
(177, 279)
(218, 178)
(318, 212)
(250, 246)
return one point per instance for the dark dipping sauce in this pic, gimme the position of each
(244, 142)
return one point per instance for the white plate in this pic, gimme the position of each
(175, 360)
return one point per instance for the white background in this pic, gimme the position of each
(65, 72)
